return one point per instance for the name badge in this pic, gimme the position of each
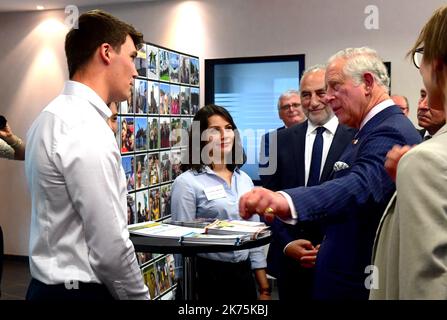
(216, 192)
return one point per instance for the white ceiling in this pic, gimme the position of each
(30, 5)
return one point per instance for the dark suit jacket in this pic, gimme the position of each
(290, 172)
(351, 205)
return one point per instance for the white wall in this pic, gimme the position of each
(32, 64)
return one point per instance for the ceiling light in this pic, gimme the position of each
(39, 7)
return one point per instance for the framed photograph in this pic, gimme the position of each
(194, 71)
(142, 206)
(151, 281)
(165, 131)
(154, 203)
(165, 200)
(184, 69)
(127, 134)
(174, 66)
(171, 268)
(143, 257)
(141, 61)
(184, 138)
(140, 133)
(176, 133)
(195, 98)
(141, 171)
(175, 103)
(162, 274)
(152, 62)
(165, 98)
(164, 64)
(153, 98)
(154, 168)
(185, 100)
(153, 133)
(176, 163)
(128, 163)
(165, 166)
(140, 96)
(131, 213)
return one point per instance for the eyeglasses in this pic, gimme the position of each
(417, 57)
(291, 105)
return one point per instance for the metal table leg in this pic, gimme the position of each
(188, 277)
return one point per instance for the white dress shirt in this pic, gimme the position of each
(78, 190)
(328, 136)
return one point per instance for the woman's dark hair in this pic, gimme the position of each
(238, 156)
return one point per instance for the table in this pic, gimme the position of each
(188, 252)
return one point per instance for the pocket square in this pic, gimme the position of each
(339, 165)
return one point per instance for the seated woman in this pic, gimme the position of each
(210, 189)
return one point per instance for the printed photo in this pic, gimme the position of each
(176, 132)
(127, 134)
(165, 163)
(142, 206)
(150, 279)
(140, 96)
(194, 101)
(164, 65)
(128, 163)
(154, 168)
(141, 172)
(162, 274)
(194, 71)
(154, 96)
(171, 268)
(175, 104)
(185, 100)
(152, 62)
(165, 130)
(131, 213)
(176, 163)
(143, 257)
(165, 200)
(141, 61)
(153, 133)
(184, 69)
(154, 203)
(141, 133)
(165, 98)
(174, 65)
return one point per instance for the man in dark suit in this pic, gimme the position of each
(430, 119)
(351, 204)
(291, 113)
(293, 250)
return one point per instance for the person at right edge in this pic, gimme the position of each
(409, 252)
(79, 244)
(351, 204)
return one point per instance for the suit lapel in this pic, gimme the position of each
(299, 141)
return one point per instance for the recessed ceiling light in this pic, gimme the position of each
(39, 7)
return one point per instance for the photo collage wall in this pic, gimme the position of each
(152, 139)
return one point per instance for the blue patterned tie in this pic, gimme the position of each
(315, 164)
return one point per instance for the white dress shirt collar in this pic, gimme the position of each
(375, 110)
(81, 90)
(330, 126)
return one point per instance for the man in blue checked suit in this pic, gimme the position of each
(292, 252)
(351, 205)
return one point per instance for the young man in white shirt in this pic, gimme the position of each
(79, 244)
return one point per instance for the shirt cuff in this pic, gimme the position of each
(293, 212)
(284, 250)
